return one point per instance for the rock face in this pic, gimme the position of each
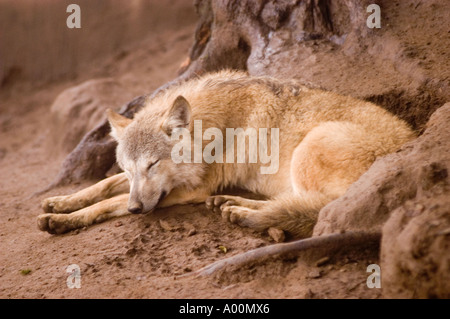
(79, 109)
(415, 258)
(415, 250)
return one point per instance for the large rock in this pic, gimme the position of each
(79, 109)
(415, 249)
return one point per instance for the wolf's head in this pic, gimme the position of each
(144, 153)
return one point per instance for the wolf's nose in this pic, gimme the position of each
(137, 209)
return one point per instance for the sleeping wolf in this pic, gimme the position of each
(326, 141)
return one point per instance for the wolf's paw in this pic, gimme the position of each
(215, 203)
(242, 216)
(231, 210)
(56, 205)
(54, 223)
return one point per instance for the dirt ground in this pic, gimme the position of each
(140, 256)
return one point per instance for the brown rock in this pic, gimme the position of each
(276, 234)
(165, 225)
(192, 232)
(79, 109)
(415, 254)
(322, 261)
(314, 274)
(415, 249)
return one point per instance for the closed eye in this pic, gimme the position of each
(152, 164)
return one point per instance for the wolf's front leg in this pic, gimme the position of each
(107, 188)
(99, 212)
(183, 196)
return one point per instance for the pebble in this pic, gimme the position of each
(313, 274)
(322, 261)
(165, 225)
(190, 229)
(420, 208)
(276, 234)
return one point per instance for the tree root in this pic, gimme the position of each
(330, 242)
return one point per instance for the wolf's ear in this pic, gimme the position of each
(179, 115)
(118, 123)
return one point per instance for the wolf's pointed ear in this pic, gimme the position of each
(179, 115)
(118, 123)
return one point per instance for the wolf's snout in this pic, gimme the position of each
(135, 208)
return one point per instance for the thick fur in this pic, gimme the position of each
(326, 141)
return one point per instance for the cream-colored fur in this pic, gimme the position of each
(326, 141)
